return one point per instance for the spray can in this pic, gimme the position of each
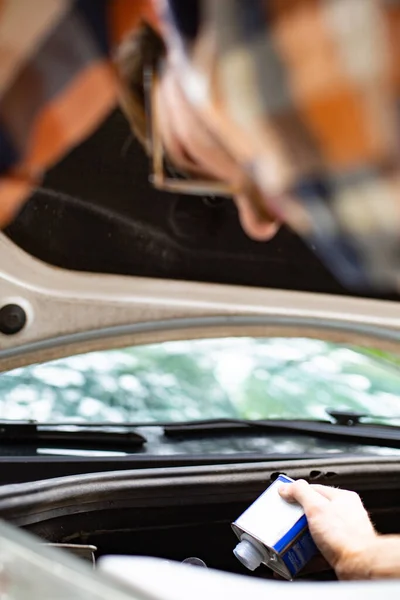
(274, 532)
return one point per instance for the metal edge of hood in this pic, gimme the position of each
(71, 312)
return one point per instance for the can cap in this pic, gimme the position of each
(248, 555)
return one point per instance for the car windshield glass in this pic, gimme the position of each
(246, 378)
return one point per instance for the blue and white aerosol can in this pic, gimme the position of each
(274, 532)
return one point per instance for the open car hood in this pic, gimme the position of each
(84, 266)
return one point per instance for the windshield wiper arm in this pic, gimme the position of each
(379, 435)
(351, 418)
(109, 435)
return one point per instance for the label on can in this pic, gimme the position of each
(299, 554)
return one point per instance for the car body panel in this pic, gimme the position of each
(106, 310)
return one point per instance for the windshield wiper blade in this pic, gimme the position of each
(108, 435)
(378, 435)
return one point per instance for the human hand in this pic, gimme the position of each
(338, 523)
(189, 139)
(192, 147)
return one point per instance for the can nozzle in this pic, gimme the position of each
(248, 555)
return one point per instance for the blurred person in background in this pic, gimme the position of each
(290, 108)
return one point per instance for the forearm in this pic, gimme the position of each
(379, 560)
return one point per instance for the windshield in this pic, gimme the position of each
(250, 378)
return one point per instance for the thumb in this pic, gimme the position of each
(286, 492)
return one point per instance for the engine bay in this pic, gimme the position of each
(183, 512)
(177, 534)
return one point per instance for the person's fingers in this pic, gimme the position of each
(199, 142)
(328, 492)
(300, 491)
(255, 217)
(255, 222)
(187, 138)
(170, 141)
(193, 148)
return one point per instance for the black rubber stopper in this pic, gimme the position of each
(12, 319)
